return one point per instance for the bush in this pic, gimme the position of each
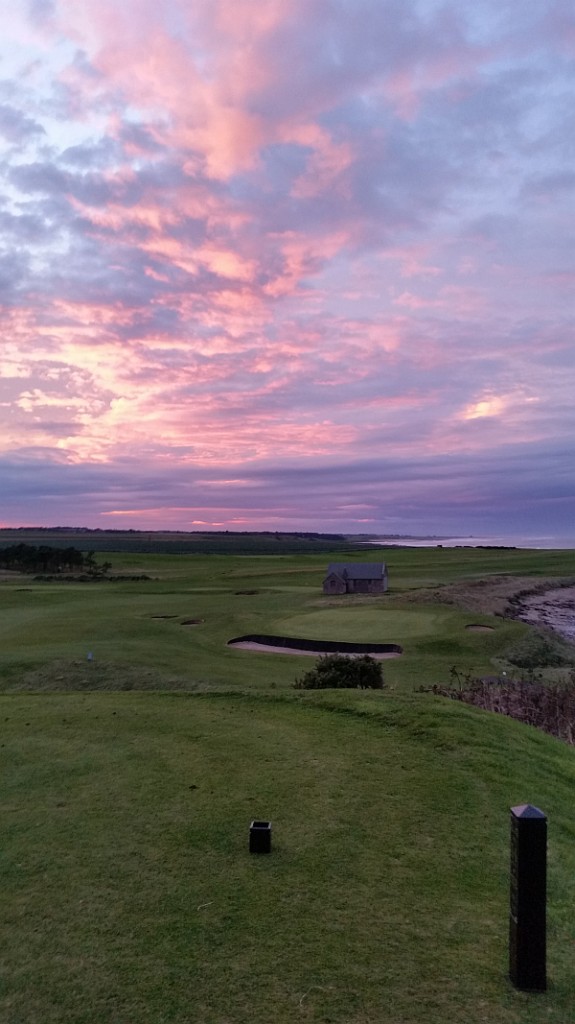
(337, 671)
(537, 651)
(550, 708)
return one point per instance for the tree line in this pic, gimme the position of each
(44, 559)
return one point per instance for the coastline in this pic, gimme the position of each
(525, 543)
(553, 609)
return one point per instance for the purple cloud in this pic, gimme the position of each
(16, 127)
(310, 246)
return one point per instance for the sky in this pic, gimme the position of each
(288, 264)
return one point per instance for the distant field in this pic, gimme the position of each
(158, 542)
(128, 893)
(145, 625)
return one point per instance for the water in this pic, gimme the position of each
(544, 543)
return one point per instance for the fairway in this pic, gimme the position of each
(379, 625)
(47, 629)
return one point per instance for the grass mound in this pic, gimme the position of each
(129, 893)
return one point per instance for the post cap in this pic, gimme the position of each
(527, 811)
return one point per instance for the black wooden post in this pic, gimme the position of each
(260, 837)
(528, 891)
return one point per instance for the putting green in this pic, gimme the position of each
(361, 624)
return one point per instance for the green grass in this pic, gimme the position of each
(129, 896)
(42, 624)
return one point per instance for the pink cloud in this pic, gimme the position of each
(241, 233)
(134, 51)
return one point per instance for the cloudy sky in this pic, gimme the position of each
(288, 264)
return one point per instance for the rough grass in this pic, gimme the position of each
(129, 894)
(100, 675)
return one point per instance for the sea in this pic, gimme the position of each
(549, 543)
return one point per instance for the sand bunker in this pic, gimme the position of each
(312, 648)
(476, 627)
(184, 622)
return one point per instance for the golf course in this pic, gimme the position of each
(138, 744)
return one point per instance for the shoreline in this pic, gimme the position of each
(553, 609)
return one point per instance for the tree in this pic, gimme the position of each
(339, 671)
(45, 559)
(72, 559)
(90, 563)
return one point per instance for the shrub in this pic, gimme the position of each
(537, 651)
(337, 671)
(550, 708)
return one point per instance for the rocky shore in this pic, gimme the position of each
(553, 609)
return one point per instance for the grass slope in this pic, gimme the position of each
(129, 894)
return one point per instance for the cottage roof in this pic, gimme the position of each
(357, 570)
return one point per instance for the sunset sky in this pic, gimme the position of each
(288, 264)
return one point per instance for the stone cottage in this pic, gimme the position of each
(355, 578)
